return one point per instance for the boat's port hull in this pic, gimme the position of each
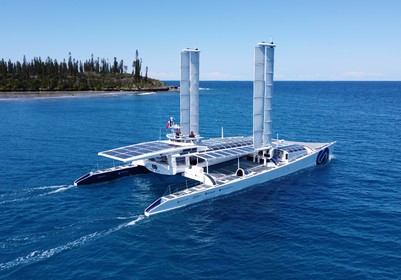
(204, 192)
(110, 174)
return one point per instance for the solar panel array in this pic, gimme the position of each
(234, 152)
(225, 147)
(136, 151)
(292, 148)
(228, 143)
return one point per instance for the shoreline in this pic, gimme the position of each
(15, 95)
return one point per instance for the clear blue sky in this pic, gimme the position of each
(316, 40)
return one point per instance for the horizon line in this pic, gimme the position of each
(173, 80)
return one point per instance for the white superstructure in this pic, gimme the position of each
(220, 166)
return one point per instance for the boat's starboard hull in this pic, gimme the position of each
(204, 192)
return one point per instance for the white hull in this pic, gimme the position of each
(204, 192)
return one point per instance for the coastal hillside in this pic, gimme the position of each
(74, 75)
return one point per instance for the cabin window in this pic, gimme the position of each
(278, 153)
(193, 161)
(187, 151)
(180, 160)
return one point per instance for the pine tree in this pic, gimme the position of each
(137, 67)
(121, 67)
(115, 65)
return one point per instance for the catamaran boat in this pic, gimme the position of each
(220, 166)
(265, 160)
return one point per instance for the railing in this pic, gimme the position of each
(173, 188)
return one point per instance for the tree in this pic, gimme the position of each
(137, 67)
(121, 67)
(115, 65)
(97, 66)
(24, 66)
(70, 65)
(71, 74)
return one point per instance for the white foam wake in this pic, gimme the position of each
(140, 218)
(48, 187)
(31, 193)
(62, 189)
(44, 254)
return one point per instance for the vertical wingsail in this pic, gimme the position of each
(262, 94)
(189, 88)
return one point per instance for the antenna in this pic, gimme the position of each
(271, 39)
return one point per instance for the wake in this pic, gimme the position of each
(36, 256)
(32, 193)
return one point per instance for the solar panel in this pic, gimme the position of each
(220, 154)
(226, 147)
(292, 148)
(140, 151)
(227, 143)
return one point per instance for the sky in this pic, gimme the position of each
(316, 40)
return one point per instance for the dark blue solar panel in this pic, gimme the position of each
(227, 143)
(137, 150)
(226, 153)
(292, 148)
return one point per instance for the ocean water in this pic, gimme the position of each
(337, 221)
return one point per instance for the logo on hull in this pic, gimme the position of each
(323, 156)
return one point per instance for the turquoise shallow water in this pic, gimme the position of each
(338, 221)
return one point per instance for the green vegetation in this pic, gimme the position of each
(73, 75)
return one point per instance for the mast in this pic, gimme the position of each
(258, 94)
(267, 126)
(194, 91)
(189, 91)
(184, 93)
(262, 94)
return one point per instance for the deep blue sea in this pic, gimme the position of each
(337, 221)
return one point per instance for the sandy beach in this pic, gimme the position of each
(9, 96)
(4, 96)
